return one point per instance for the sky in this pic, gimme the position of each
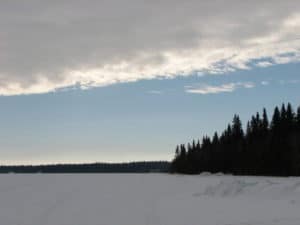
(111, 81)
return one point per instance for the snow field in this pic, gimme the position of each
(147, 199)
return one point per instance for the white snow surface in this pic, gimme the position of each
(148, 199)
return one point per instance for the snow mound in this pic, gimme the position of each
(203, 174)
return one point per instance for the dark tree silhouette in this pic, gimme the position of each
(132, 167)
(266, 148)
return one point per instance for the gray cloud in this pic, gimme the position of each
(48, 45)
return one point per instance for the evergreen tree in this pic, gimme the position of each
(237, 130)
(194, 145)
(298, 118)
(198, 146)
(290, 116)
(215, 139)
(276, 119)
(283, 112)
(248, 129)
(177, 151)
(265, 122)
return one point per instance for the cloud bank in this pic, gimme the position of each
(50, 45)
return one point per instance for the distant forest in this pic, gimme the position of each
(132, 167)
(264, 148)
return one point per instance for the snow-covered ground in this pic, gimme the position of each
(148, 199)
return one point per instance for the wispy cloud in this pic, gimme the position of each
(215, 89)
(283, 82)
(155, 92)
(46, 46)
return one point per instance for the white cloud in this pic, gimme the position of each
(265, 83)
(215, 89)
(49, 45)
(264, 64)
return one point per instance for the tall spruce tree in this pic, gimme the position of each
(298, 118)
(276, 119)
(265, 122)
(290, 117)
(237, 130)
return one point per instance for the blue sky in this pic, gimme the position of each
(129, 80)
(134, 121)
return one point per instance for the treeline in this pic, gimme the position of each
(132, 167)
(264, 148)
